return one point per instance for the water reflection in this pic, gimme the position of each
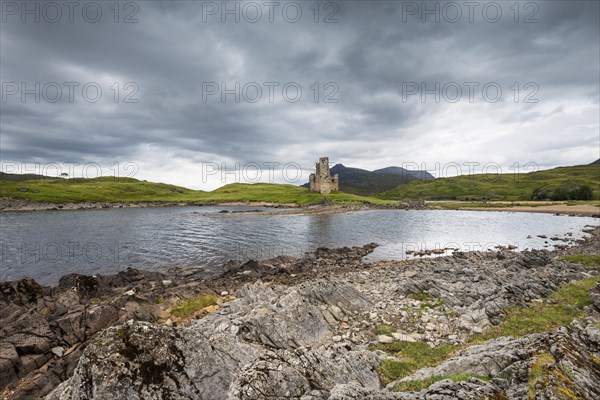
(47, 245)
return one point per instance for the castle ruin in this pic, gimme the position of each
(322, 181)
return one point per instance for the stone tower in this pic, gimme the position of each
(321, 181)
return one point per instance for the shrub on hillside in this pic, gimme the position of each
(582, 192)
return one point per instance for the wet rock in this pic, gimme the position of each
(22, 292)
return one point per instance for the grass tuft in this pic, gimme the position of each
(559, 309)
(411, 357)
(537, 370)
(423, 296)
(427, 300)
(190, 306)
(385, 329)
(588, 260)
(418, 385)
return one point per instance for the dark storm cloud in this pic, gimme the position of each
(368, 54)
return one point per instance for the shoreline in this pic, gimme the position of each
(19, 205)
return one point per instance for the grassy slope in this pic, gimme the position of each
(21, 177)
(106, 189)
(132, 190)
(498, 187)
(279, 194)
(109, 189)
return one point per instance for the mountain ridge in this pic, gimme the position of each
(365, 183)
(419, 174)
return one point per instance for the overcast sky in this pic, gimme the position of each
(370, 60)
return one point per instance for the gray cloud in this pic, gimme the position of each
(368, 54)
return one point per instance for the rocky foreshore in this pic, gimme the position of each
(11, 204)
(298, 328)
(324, 207)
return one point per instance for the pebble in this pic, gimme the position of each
(58, 351)
(403, 337)
(385, 339)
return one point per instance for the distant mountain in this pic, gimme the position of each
(422, 175)
(596, 162)
(363, 182)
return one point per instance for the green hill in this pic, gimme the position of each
(112, 190)
(543, 184)
(276, 193)
(106, 189)
(561, 180)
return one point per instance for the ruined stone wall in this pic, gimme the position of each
(312, 181)
(322, 181)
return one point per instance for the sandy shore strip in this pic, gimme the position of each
(587, 210)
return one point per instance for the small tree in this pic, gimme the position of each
(64, 175)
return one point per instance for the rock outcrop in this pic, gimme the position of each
(312, 340)
(570, 367)
(44, 330)
(267, 343)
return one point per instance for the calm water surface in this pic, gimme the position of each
(47, 245)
